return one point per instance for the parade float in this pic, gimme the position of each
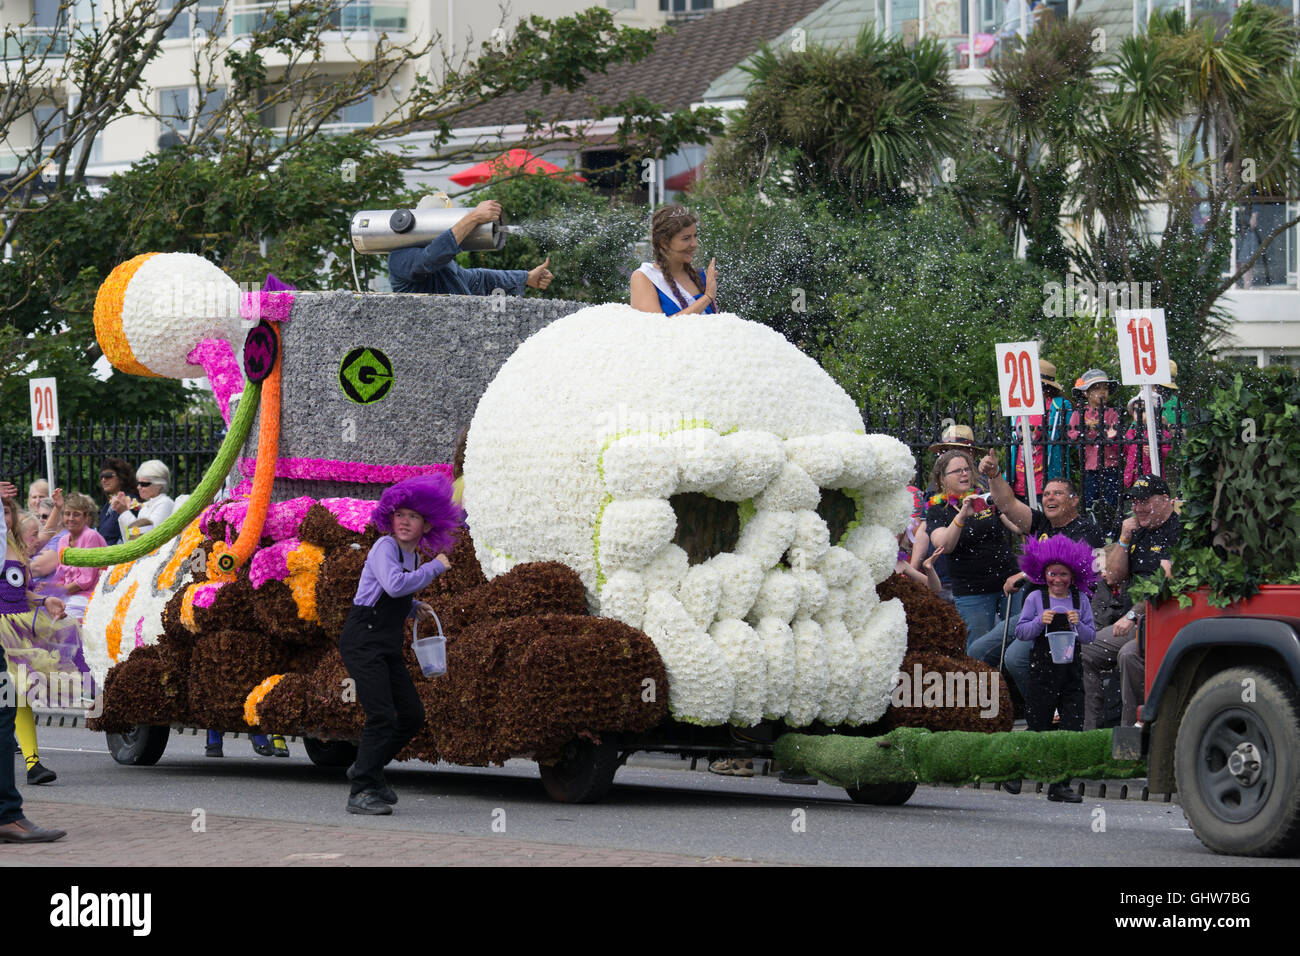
(679, 539)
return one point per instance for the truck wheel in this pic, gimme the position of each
(141, 746)
(584, 773)
(1237, 763)
(882, 794)
(330, 753)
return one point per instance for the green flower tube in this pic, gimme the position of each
(216, 474)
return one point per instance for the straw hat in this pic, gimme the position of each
(1173, 374)
(956, 436)
(1047, 371)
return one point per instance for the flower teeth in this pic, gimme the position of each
(859, 463)
(894, 462)
(779, 596)
(819, 458)
(812, 538)
(811, 672)
(839, 566)
(623, 598)
(881, 645)
(666, 570)
(632, 532)
(743, 650)
(845, 666)
(757, 459)
(791, 490)
(777, 640)
(767, 537)
(860, 599)
(701, 688)
(640, 466)
(703, 459)
(876, 547)
(742, 576)
(813, 592)
(891, 509)
(833, 607)
(701, 593)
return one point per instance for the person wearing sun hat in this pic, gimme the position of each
(956, 438)
(416, 511)
(1096, 421)
(1169, 407)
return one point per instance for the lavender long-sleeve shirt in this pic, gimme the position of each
(1031, 624)
(394, 571)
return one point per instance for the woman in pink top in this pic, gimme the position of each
(1136, 436)
(1096, 421)
(77, 584)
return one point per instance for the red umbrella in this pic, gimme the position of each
(683, 181)
(515, 159)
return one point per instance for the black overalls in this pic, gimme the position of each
(371, 647)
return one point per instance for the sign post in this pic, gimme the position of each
(44, 394)
(1020, 388)
(1144, 360)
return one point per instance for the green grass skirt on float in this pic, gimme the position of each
(957, 757)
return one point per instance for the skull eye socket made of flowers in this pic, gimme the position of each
(600, 423)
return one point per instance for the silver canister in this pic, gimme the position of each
(383, 230)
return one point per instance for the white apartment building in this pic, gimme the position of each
(172, 91)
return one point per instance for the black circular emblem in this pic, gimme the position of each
(261, 349)
(365, 375)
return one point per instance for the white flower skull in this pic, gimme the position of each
(606, 426)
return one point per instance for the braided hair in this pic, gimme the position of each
(667, 222)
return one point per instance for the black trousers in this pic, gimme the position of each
(11, 802)
(1053, 687)
(371, 648)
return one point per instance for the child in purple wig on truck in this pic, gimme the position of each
(415, 511)
(1062, 568)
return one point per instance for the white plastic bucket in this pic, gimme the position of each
(1062, 645)
(431, 651)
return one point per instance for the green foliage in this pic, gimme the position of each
(867, 122)
(588, 238)
(177, 202)
(932, 298)
(1241, 489)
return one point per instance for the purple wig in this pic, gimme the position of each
(430, 495)
(1058, 549)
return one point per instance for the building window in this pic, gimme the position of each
(1289, 359)
(50, 119)
(174, 113)
(682, 6)
(621, 4)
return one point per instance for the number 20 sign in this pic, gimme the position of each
(1019, 383)
(1143, 350)
(45, 406)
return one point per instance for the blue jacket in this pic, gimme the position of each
(433, 269)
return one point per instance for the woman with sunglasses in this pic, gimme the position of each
(151, 481)
(980, 549)
(117, 482)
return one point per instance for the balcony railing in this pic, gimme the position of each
(32, 43)
(357, 17)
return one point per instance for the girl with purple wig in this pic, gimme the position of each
(417, 511)
(1061, 568)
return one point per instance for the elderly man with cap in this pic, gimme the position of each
(1146, 542)
(1048, 433)
(152, 480)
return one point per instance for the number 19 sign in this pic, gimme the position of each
(1143, 349)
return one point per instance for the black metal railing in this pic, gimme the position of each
(186, 447)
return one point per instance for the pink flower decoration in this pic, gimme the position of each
(326, 469)
(272, 563)
(139, 632)
(206, 594)
(217, 359)
(351, 513)
(282, 517)
(274, 306)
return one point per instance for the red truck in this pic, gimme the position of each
(1221, 723)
